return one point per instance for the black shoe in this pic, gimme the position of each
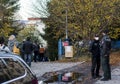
(105, 79)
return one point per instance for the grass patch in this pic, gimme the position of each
(114, 58)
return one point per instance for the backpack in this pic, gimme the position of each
(41, 50)
(16, 50)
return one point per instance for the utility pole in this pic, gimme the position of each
(66, 30)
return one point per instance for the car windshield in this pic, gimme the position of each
(10, 69)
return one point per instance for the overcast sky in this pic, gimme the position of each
(25, 8)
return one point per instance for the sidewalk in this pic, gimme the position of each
(115, 74)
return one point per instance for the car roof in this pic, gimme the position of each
(4, 54)
(8, 54)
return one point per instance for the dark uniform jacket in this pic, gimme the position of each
(95, 48)
(105, 45)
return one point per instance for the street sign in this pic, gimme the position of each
(68, 51)
(65, 43)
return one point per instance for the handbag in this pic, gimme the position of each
(16, 50)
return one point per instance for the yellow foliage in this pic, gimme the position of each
(85, 17)
(5, 30)
(115, 33)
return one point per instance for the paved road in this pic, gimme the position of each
(115, 74)
(40, 68)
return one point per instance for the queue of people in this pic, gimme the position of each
(32, 51)
(28, 50)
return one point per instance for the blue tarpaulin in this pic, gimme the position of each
(116, 44)
(60, 49)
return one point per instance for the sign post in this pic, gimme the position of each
(68, 51)
(60, 49)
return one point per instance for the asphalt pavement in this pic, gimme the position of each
(115, 77)
(40, 68)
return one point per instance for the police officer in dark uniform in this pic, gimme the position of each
(95, 50)
(105, 52)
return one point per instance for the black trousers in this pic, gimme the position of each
(41, 57)
(35, 56)
(95, 66)
(106, 67)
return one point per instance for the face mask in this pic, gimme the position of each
(96, 38)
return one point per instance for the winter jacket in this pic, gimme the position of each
(27, 47)
(105, 45)
(3, 47)
(95, 48)
(36, 47)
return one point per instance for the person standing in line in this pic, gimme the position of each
(105, 52)
(46, 55)
(3, 46)
(11, 42)
(28, 49)
(95, 50)
(36, 51)
(42, 50)
(20, 46)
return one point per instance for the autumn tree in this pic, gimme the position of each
(7, 10)
(115, 26)
(85, 19)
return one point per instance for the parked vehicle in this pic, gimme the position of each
(13, 70)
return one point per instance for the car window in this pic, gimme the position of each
(12, 69)
(28, 79)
